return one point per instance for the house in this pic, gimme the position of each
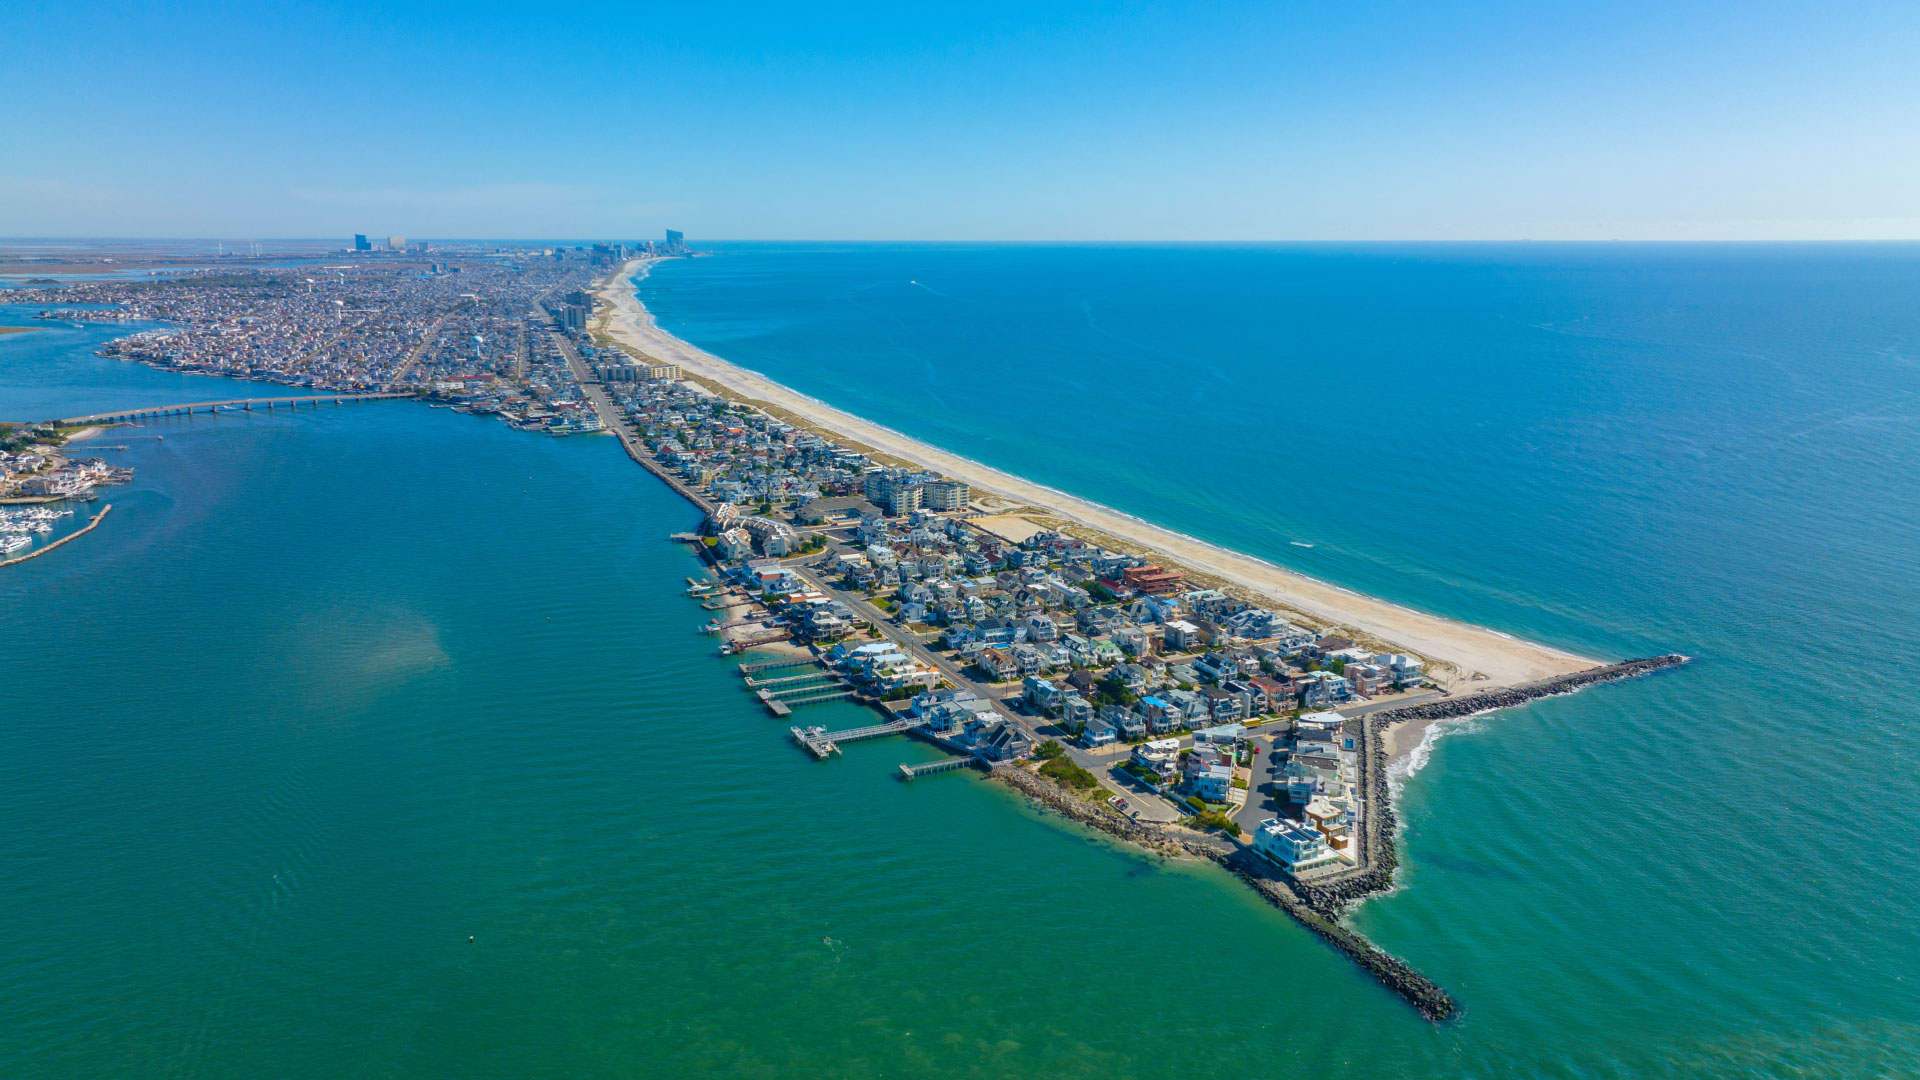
(1322, 688)
(1223, 706)
(1210, 781)
(1133, 641)
(1027, 659)
(1161, 715)
(1332, 818)
(1216, 667)
(1406, 670)
(1254, 697)
(1096, 621)
(1160, 756)
(996, 740)
(1304, 780)
(1098, 732)
(1194, 709)
(1291, 640)
(1229, 737)
(1132, 676)
(1042, 695)
(1279, 693)
(1151, 579)
(1130, 724)
(1318, 726)
(1075, 709)
(1182, 635)
(1210, 604)
(1327, 646)
(1366, 679)
(1294, 846)
(999, 664)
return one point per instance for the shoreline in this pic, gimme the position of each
(1477, 657)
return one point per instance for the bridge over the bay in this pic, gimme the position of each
(244, 404)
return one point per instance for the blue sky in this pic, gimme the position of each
(1199, 121)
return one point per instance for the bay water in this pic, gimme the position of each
(331, 692)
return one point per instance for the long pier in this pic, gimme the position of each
(915, 772)
(823, 743)
(244, 404)
(833, 695)
(811, 676)
(734, 624)
(771, 665)
(823, 684)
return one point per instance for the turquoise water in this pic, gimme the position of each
(330, 692)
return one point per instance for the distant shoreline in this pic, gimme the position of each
(1463, 657)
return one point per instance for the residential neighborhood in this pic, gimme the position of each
(1002, 637)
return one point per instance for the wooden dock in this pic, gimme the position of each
(812, 676)
(815, 699)
(823, 743)
(751, 620)
(914, 772)
(780, 705)
(770, 665)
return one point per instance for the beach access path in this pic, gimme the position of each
(1497, 659)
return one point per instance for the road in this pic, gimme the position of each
(1148, 807)
(425, 340)
(1262, 803)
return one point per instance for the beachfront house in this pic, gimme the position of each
(1294, 846)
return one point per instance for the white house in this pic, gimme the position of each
(1295, 846)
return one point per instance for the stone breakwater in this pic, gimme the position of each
(1426, 996)
(1320, 905)
(1332, 897)
(1417, 990)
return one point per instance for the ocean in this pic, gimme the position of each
(330, 692)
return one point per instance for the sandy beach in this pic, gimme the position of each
(1461, 656)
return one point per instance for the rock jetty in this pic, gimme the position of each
(1321, 904)
(1333, 896)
